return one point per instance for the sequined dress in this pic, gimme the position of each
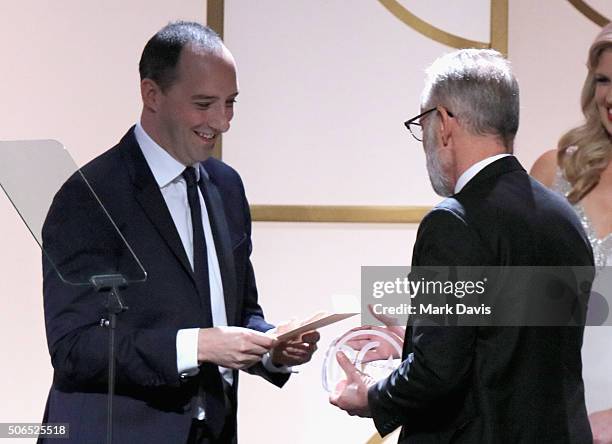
(597, 345)
(602, 247)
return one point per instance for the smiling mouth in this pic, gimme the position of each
(207, 137)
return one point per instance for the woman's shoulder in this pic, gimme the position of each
(545, 168)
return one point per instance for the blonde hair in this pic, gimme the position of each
(584, 152)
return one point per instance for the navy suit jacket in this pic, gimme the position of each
(492, 384)
(153, 404)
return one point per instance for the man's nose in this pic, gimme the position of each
(220, 120)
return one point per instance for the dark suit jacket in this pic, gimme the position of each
(153, 404)
(492, 384)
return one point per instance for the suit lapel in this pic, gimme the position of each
(149, 197)
(223, 246)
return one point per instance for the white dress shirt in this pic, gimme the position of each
(167, 172)
(168, 175)
(475, 169)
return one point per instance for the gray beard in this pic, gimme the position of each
(440, 183)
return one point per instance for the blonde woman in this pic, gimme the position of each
(581, 169)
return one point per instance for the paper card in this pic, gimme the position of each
(317, 321)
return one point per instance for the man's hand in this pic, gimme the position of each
(391, 323)
(351, 394)
(295, 351)
(384, 349)
(601, 425)
(232, 347)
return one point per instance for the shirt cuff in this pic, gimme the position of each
(187, 352)
(266, 361)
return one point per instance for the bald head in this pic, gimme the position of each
(161, 54)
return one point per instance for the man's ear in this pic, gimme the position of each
(151, 94)
(446, 125)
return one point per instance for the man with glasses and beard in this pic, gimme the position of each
(481, 384)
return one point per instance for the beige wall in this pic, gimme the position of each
(325, 87)
(548, 48)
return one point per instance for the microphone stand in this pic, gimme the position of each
(110, 284)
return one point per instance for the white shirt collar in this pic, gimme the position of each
(475, 169)
(165, 168)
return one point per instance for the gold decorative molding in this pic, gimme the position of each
(215, 15)
(428, 30)
(498, 27)
(215, 19)
(589, 12)
(375, 439)
(388, 439)
(339, 213)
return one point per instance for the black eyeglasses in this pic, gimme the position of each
(414, 124)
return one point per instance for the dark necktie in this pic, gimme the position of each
(214, 397)
(200, 257)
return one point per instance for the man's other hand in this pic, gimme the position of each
(601, 425)
(295, 351)
(232, 347)
(351, 394)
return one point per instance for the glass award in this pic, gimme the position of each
(375, 353)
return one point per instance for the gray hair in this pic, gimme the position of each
(478, 87)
